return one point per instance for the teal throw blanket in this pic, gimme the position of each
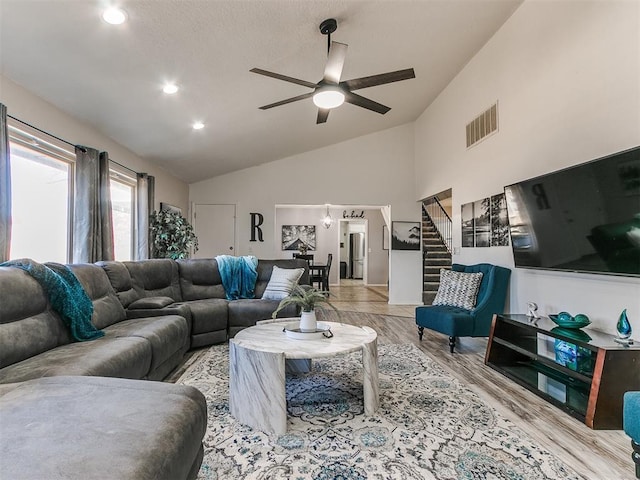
(239, 275)
(66, 295)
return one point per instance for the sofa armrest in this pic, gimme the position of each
(151, 303)
(631, 415)
(174, 309)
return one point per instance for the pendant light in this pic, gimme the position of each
(327, 221)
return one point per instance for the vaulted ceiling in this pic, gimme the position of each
(111, 77)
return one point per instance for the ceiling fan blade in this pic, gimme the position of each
(363, 102)
(297, 81)
(380, 79)
(288, 100)
(323, 114)
(335, 62)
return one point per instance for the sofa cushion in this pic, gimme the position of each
(107, 309)
(455, 321)
(95, 428)
(166, 335)
(155, 278)
(120, 280)
(200, 279)
(128, 357)
(28, 325)
(208, 315)
(458, 289)
(151, 302)
(282, 282)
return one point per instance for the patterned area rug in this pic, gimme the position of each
(429, 426)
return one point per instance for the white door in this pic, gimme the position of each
(215, 227)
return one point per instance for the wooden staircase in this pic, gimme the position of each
(435, 256)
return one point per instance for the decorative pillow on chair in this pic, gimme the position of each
(282, 282)
(458, 289)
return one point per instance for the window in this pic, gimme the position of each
(41, 196)
(123, 194)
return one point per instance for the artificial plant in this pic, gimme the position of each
(171, 235)
(306, 297)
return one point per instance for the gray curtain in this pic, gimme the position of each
(92, 222)
(5, 187)
(146, 201)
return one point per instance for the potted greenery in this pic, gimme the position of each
(306, 297)
(171, 235)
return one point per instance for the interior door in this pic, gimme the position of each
(215, 227)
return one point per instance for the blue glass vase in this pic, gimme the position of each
(623, 326)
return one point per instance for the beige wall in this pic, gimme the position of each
(567, 79)
(31, 109)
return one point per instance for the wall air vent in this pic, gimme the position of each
(483, 125)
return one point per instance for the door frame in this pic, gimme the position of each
(365, 266)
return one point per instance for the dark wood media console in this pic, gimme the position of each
(590, 388)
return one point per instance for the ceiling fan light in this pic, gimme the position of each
(328, 97)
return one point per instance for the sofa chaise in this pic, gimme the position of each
(69, 408)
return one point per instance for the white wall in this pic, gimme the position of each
(567, 79)
(375, 169)
(33, 110)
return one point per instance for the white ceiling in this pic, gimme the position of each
(111, 76)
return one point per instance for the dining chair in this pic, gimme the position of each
(320, 275)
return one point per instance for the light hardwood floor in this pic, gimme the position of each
(594, 454)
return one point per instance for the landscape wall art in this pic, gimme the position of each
(484, 223)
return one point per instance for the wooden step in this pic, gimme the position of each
(431, 277)
(439, 262)
(431, 286)
(438, 254)
(428, 297)
(431, 269)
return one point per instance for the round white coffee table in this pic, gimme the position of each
(257, 359)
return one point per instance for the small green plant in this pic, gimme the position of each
(306, 297)
(172, 236)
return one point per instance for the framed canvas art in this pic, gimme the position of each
(405, 235)
(293, 236)
(166, 207)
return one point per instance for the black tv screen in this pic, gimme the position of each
(584, 218)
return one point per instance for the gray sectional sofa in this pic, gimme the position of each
(58, 420)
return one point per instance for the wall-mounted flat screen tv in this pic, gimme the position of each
(584, 218)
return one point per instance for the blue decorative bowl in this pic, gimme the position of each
(572, 323)
(572, 333)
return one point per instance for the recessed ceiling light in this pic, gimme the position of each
(198, 126)
(114, 16)
(170, 88)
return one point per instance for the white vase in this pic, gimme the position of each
(308, 321)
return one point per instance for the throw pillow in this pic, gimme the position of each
(458, 289)
(282, 282)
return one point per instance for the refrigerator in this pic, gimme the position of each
(356, 255)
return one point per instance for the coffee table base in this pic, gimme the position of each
(257, 396)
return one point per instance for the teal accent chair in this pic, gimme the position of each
(631, 424)
(458, 322)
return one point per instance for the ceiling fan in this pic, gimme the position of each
(330, 92)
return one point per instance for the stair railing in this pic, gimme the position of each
(440, 219)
